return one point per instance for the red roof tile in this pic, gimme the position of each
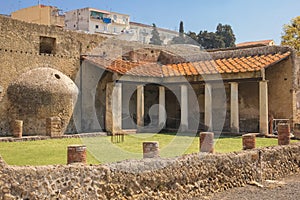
(224, 65)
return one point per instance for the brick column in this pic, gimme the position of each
(208, 106)
(140, 106)
(184, 108)
(17, 128)
(249, 141)
(76, 154)
(283, 134)
(234, 108)
(53, 127)
(206, 142)
(263, 107)
(150, 150)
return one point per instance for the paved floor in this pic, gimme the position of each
(287, 189)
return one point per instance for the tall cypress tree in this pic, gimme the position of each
(181, 29)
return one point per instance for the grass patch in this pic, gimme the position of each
(101, 150)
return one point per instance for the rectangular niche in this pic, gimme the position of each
(47, 45)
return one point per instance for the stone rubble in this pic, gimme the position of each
(183, 177)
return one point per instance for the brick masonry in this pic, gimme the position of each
(284, 134)
(249, 141)
(76, 154)
(17, 127)
(206, 142)
(53, 127)
(150, 149)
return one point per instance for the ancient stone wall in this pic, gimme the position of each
(178, 178)
(25, 46)
(280, 90)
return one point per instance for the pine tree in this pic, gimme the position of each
(226, 33)
(291, 35)
(155, 39)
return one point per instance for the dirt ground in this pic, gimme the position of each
(287, 188)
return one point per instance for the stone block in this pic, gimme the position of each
(283, 134)
(150, 149)
(53, 127)
(206, 142)
(249, 141)
(76, 154)
(17, 127)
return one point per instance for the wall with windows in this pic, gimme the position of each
(26, 46)
(96, 21)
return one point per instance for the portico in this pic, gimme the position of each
(162, 95)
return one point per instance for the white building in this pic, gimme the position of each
(143, 33)
(96, 21)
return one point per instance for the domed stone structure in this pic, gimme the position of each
(39, 94)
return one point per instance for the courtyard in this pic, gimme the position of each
(101, 150)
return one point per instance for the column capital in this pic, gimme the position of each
(264, 81)
(233, 83)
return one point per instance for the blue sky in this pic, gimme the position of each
(251, 20)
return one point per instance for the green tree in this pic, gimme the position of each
(226, 33)
(192, 35)
(155, 39)
(210, 40)
(291, 35)
(182, 38)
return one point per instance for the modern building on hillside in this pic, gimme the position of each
(96, 21)
(257, 43)
(40, 14)
(142, 33)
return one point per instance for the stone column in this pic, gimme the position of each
(208, 106)
(140, 106)
(17, 128)
(117, 107)
(150, 150)
(76, 154)
(113, 119)
(283, 134)
(263, 107)
(53, 127)
(184, 108)
(206, 142)
(249, 141)
(234, 108)
(162, 105)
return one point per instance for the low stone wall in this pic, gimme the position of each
(178, 178)
(35, 138)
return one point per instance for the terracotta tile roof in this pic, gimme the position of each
(212, 66)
